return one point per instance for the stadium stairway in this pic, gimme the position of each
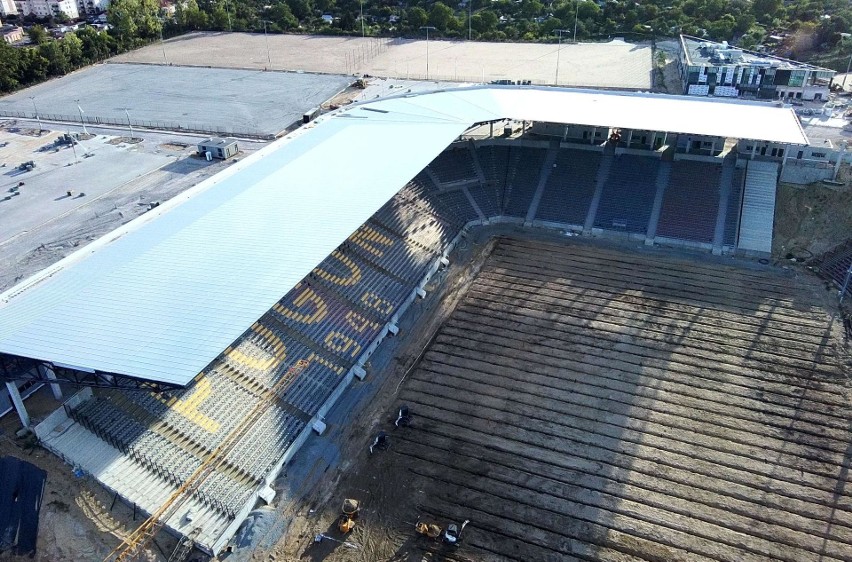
(834, 265)
(758, 212)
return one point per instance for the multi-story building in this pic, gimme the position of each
(92, 7)
(8, 8)
(48, 8)
(718, 69)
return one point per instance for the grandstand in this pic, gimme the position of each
(289, 255)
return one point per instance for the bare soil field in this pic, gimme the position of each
(812, 219)
(584, 402)
(615, 64)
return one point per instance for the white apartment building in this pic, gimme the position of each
(48, 8)
(8, 8)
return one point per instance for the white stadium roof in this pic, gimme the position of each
(161, 297)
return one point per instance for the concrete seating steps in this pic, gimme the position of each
(373, 284)
(456, 201)
(342, 331)
(628, 194)
(416, 225)
(488, 199)
(570, 187)
(691, 201)
(454, 165)
(494, 160)
(524, 171)
(403, 260)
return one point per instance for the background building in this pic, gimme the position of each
(8, 8)
(718, 69)
(47, 8)
(11, 33)
(92, 7)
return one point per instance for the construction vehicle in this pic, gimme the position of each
(348, 514)
(380, 442)
(403, 417)
(429, 530)
(132, 546)
(452, 534)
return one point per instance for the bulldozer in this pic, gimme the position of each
(429, 530)
(348, 515)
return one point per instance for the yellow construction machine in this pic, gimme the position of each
(348, 515)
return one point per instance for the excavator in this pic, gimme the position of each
(348, 515)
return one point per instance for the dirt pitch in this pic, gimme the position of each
(615, 64)
(589, 403)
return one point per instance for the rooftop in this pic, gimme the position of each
(704, 52)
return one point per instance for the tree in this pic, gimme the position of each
(9, 67)
(132, 19)
(441, 16)
(95, 44)
(765, 10)
(416, 17)
(301, 9)
(219, 18)
(33, 66)
(73, 49)
(57, 62)
(189, 17)
(38, 35)
(283, 17)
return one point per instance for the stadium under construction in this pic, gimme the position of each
(213, 334)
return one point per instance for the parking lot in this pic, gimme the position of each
(111, 181)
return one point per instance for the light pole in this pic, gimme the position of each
(129, 124)
(162, 43)
(82, 122)
(32, 99)
(363, 34)
(266, 36)
(427, 28)
(469, 19)
(559, 32)
(576, 13)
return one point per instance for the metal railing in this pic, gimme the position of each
(95, 120)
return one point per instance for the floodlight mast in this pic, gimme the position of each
(559, 32)
(427, 28)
